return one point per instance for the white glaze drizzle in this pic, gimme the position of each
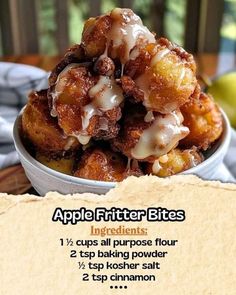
(82, 138)
(164, 159)
(193, 162)
(127, 28)
(161, 137)
(128, 164)
(103, 124)
(149, 117)
(60, 84)
(144, 80)
(134, 53)
(156, 167)
(132, 164)
(159, 56)
(105, 95)
(69, 143)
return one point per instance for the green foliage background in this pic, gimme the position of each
(173, 23)
(78, 13)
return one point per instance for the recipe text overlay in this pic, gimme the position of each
(118, 255)
(151, 214)
(117, 261)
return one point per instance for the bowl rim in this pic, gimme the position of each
(23, 153)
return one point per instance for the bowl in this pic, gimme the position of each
(44, 179)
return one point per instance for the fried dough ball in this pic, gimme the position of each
(42, 130)
(94, 36)
(127, 32)
(105, 165)
(75, 54)
(63, 165)
(133, 125)
(132, 92)
(146, 136)
(69, 95)
(174, 162)
(140, 59)
(104, 66)
(165, 73)
(204, 120)
(115, 34)
(77, 107)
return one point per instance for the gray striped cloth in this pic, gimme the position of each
(15, 83)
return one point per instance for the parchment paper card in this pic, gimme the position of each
(184, 243)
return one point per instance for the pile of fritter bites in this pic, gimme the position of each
(121, 103)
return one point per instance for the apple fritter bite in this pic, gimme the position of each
(140, 60)
(69, 95)
(115, 34)
(86, 105)
(104, 66)
(63, 164)
(174, 162)
(131, 90)
(147, 135)
(203, 118)
(94, 36)
(165, 73)
(105, 165)
(75, 54)
(42, 130)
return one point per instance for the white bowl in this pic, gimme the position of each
(44, 179)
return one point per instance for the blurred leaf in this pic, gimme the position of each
(229, 31)
(174, 20)
(47, 27)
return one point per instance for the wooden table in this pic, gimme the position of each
(13, 179)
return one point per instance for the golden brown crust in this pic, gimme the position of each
(74, 54)
(130, 89)
(104, 165)
(41, 129)
(181, 53)
(204, 120)
(133, 126)
(60, 164)
(166, 75)
(71, 97)
(94, 35)
(137, 66)
(174, 162)
(69, 105)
